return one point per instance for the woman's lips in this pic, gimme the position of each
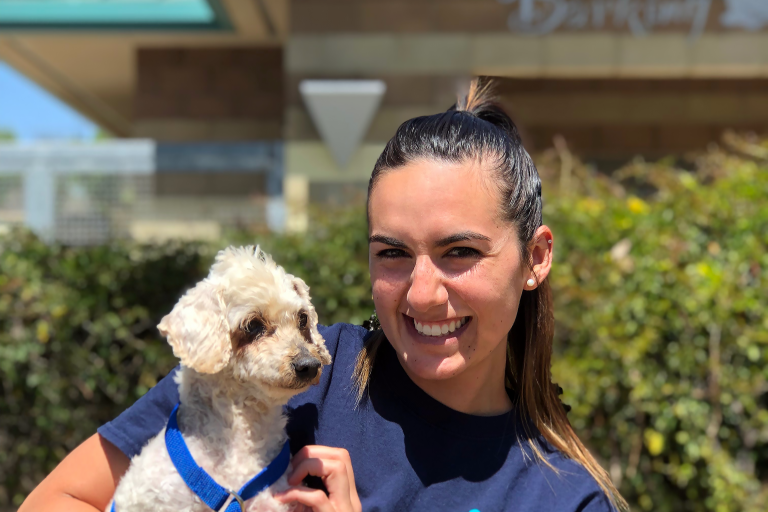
(442, 329)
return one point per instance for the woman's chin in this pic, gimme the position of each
(428, 366)
(429, 358)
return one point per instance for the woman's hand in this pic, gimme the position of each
(334, 466)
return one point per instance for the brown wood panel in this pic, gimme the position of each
(238, 83)
(209, 184)
(158, 105)
(507, 86)
(320, 16)
(616, 118)
(209, 106)
(177, 129)
(183, 80)
(643, 117)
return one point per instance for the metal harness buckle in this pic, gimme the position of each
(236, 497)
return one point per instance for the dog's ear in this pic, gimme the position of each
(198, 331)
(300, 286)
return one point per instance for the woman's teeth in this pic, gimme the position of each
(439, 329)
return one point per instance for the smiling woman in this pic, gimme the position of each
(462, 295)
(469, 259)
(459, 266)
(455, 408)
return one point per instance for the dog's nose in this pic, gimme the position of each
(306, 368)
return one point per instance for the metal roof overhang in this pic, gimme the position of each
(89, 62)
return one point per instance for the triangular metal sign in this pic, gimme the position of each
(342, 111)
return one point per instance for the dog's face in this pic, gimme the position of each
(251, 319)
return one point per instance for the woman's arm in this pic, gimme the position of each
(86, 479)
(83, 482)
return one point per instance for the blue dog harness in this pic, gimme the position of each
(205, 487)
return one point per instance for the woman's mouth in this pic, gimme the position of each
(439, 329)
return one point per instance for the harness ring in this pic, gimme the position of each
(236, 497)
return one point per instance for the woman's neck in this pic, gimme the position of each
(478, 390)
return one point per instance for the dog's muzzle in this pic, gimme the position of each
(306, 367)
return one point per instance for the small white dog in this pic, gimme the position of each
(248, 341)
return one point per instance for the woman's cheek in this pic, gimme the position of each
(495, 314)
(386, 295)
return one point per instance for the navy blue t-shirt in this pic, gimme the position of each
(409, 451)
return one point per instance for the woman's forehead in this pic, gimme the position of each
(435, 197)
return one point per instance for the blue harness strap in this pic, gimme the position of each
(205, 487)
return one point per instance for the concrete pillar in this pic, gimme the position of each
(40, 197)
(296, 193)
(276, 208)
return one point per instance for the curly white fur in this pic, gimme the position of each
(243, 335)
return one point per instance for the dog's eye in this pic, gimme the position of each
(255, 327)
(303, 319)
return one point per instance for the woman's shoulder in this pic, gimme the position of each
(567, 485)
(343, 340)
(332, 333)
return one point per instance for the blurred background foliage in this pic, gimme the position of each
(661, 293)
(662, 338)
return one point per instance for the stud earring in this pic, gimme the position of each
(530, 282)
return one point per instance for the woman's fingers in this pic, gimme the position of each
(327, 453)
(333, 473)
(334, 466)
(314, 499)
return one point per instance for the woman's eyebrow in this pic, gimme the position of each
(461, 237)
(388, 240)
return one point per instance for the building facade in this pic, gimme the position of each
(615, 78)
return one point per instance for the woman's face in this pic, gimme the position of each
(446, 270)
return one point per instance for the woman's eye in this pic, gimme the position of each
(463, 252)
(392, 254)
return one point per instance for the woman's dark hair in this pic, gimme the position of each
(478, 129)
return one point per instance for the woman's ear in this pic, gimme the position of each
(541, 257)
(198, 331)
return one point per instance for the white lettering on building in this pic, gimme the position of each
(639, 16)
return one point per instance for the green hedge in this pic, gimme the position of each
(78, 342)
(662, 337)
(662, 329)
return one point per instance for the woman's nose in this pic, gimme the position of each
(427, 287)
